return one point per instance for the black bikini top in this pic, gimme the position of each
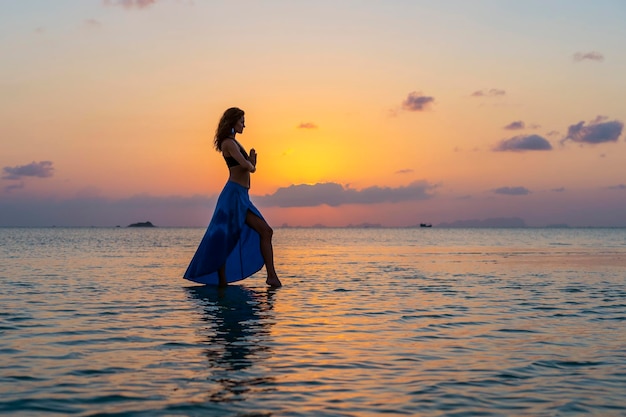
(232, 162)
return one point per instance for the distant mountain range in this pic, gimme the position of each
(499, 222)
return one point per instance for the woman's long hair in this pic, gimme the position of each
(226, 125)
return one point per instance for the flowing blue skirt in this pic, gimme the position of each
(228, 240)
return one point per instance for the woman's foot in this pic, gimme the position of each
(273, 282)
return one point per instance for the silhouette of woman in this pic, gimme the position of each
(238, 241)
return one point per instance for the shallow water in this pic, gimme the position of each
(435, 322)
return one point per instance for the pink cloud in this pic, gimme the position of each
(130, 4)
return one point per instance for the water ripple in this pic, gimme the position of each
(99, 323)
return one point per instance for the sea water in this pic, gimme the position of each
(420, 322)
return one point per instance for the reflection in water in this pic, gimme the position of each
(237, 338)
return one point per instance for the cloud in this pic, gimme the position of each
(597, 131)
(524, 143)
(618, 187)
(517, 125)
(512, 190)
(417, 102)
(41, 169)
(492, 92)
(405, 171)
(588, 56)
(307, 125)
(558, 190)
(13, 187)
(130, 4)
(92, 24)
(333, 194)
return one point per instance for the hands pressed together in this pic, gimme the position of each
(252, 158)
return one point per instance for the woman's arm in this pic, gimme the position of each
(230, 148)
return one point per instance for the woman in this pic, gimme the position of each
(238, 240)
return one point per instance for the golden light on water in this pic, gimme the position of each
(368, 320)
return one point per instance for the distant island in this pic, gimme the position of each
(364, 226)
(492, 222)
(499, 222)
(142, 224)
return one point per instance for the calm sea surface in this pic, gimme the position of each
(421, 322)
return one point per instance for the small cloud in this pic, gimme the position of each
(417, 102)
(524, 143)
(307, 125)
(14, 187)
(618, 187)
(558, 190)
(92, 24)
(405, 171)
(597, 131)
(517, 125)
(492, 92)
(512, 190)
(588, 56)
(41, 169)
(130, 4)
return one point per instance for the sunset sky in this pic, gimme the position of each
(388, 112)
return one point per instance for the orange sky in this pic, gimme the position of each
(402, 104)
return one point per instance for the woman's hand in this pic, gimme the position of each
(252, 157)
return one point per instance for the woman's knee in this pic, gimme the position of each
(260, 226)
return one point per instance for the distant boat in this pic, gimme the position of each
(426, 225)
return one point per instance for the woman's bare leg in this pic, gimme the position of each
(221, 273)
(267, 251)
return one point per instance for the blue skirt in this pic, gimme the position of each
(228, 240)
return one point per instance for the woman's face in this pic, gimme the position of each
(240, 124)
